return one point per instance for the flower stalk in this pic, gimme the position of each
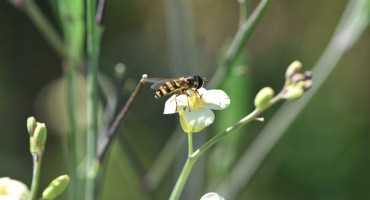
(38, 135)
(35, 176)
(185, 172)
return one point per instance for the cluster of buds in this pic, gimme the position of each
(297, 81)
(38, 135)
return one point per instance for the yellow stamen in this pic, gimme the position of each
(195, 101)
(3, 191)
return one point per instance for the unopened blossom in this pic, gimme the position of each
(212, 196)
(195, 107)
(11, 189)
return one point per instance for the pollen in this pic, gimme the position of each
(195, 101)
(3, 191)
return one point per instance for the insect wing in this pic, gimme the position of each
(157, 82)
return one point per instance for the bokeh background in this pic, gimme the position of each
(323, 155)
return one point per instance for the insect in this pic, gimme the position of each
(179, 85)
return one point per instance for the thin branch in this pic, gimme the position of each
(100, 11)
(240, 39)
(109, 133)
(43, 25)
(245, 120)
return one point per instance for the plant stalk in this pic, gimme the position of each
(44, 26)
(92, 99)
(184, 175)
(35, 176)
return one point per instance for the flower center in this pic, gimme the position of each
(3, 191)
(195, 101)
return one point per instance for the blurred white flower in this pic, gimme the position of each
(212, 196)
(195, 108)
(13, 190)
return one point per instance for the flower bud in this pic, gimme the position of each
(293, 92)
(263, 97)
(293, 68)
(31, 125)
(38, 139)
(307, 75)
(56, 187)
(307, 84)
(296, 78)
(212, 196)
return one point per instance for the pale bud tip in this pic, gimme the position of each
(260, 119)
(293, 68)
(263, 97)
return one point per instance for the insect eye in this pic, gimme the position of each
(199, 81)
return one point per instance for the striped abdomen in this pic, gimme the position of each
(169, 87)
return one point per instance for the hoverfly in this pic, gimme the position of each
(179, 85)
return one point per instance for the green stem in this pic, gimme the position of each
(184, 175)
(237, 45)
(35, 175)
(44, 26)
(70, 79)
(177, 190)
(92, 104)
(242, 122)
(190, 144)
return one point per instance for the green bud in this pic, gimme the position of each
(31, 125)
(38, 139)
(263, 97)
(56, 187)
(293, 92)
(293, 68)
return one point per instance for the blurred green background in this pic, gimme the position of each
(323, 155)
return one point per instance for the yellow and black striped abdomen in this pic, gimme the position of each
(169, 87)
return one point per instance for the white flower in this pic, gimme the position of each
(195, 108)
(13, 190)
(212, 196)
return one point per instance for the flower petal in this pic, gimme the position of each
(201, 91)
(182, 101)
(170, 105)
(195, 121)
(13, 189)
(212, 196)
(216, 99)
